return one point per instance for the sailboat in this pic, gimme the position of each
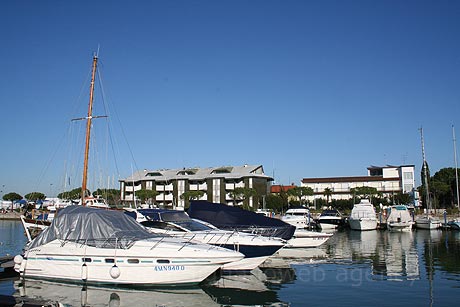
(427, 221)
(94, 246)
(455, 223)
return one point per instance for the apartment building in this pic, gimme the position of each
(216, 183)
(388, 180)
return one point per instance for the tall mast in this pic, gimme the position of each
(88, 131)
(427, 190)
(455, 160)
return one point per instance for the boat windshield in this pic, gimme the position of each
(183, 220)
(330, 213)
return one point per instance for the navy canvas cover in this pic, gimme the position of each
(235, 218)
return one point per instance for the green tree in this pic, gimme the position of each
(147, 196)
(328, 193)
(71, 195)
(275, 202)
(34, 196)
(242, 194)
(364, 192)
(12, 196)
(192, 195)
(300, 192)
(111, 195)
(402, 198)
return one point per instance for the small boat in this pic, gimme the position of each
(330, 219)
(363, 216)
(255, 248)
(399, 219)
(93, 246)
(428, 222)
(298, 217)
(454, 224)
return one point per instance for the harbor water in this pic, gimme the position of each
(418, 268)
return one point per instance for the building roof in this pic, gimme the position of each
(196, 173)
(278, 188)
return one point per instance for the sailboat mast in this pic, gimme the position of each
(88, 131)
(456, 167)
(427, 190)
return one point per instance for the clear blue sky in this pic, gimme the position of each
(304, 88)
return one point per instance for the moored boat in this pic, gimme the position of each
(399, 218)
(256, 248)
(330, 219)
(454, 224)
(363, 216)
(94, 246)
(298, 217)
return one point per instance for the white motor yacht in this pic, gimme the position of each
(256, 248)
(298, 217)
(363, 216)
(94, 246)
(330, 219)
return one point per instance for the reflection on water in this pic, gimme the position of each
(77, 295)
(228, 290)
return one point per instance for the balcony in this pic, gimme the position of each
(199, 187)
(163, 197)
(161, 187)
(231, 186)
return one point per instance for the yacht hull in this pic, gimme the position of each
(156, 263)
(363, 224)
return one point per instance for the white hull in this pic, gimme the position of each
(401, 226)
(304, 239)
(232, 240)
(363, 224)
(399, 219)
(363, 216)
(150, 262)
(245, 264)
(428, 223)
(326, 225)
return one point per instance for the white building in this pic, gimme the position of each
(388, 180)
(216, 183)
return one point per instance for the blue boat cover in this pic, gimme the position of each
(235, 218)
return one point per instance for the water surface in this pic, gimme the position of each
(353, 268)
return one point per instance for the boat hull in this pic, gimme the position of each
(427, 223)
(363, 224)
(306, 239)
(400, 226)
(142, 264)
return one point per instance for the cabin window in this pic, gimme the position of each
(86, 259)
(163, 261)
(133, 260)
(109, 260)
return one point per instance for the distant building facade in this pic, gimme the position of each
(216, 183)
(388, 180)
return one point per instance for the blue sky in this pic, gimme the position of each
(304, 88)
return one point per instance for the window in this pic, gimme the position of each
(408, 176)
